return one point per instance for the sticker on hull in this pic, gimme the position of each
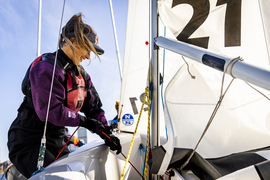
(127, 120)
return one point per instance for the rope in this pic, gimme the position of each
(232, 61)
(66, 143)
(50, 95)
(163, 72)
(123, 154)
(258, 91)
(43, 140)
(193, 77)
(148, 132)
(132, 165)
(144, 150)
(132, 141)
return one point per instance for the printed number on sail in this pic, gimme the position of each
(201, 11)
(133, 103)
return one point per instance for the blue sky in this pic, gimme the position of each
(18, 48)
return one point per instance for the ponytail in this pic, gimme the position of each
(75, 27)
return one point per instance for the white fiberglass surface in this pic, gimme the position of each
(96, 162)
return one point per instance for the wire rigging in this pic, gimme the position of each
(232, 61)
(43, 140)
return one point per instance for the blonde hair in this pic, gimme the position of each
(80, 29)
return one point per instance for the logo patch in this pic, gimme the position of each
(127, 120)
(71, 114)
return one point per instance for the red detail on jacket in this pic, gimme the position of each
(75, 94)
(36, 61)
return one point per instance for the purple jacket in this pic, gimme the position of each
(40, 79)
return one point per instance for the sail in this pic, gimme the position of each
(231, 28)
(136, 68)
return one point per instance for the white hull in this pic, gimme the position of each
(95, 161)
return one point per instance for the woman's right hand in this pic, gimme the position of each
(92, 125)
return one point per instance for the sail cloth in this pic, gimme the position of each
(231, 28)
(136, 67)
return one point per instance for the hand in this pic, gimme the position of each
(92, 125)
(81, 143)
(113, 143)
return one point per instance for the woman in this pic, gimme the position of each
(73, 91)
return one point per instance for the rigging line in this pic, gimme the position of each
(233, 61)
(163, 72)
(147, 141)
(141, 159)
(43, 139)
(258, 91)
(144, 150)
(193, 77)
(116, 41)
(39, 28)
(136, 128)
(55, 59)
(122, 153)
(66, 143)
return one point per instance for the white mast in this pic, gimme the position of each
(116, 41)
(155, 80)
(39, 27)
(155, 74)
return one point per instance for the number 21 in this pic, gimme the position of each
(201, 11)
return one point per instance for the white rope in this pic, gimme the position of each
(232, 61)
(50, 95)
(193, 77)
(258, 91)
(43, 139)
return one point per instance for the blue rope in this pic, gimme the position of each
(141, 159)
(38, 171)
(162, 98)
(163, 70)
(144, 150)
(150, 97)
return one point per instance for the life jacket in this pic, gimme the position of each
(76, 91)
(76, 86)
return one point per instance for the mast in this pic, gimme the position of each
(155, 75)
(155, 80)
(116, 41)
(39, 27)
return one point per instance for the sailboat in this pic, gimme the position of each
(210, 117)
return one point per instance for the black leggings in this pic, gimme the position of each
(26, 160)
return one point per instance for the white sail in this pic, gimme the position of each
(136, 63)
(236, 28)
(136, 67)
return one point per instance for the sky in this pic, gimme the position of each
(18, 48)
